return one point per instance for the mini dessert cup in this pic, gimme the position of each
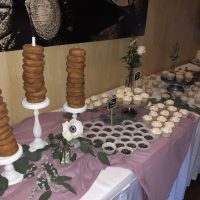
(147, 119)
(165, 96)
(99, 123)
(118, 128)
(125, 138)
(137, 100)
(163, 91)
(127, 122)
(195, 89)
(90, 135)
(197, 99)
(110, 139)
(96, 129)
(156, 132)
(127, 89)
(127, 100)
(127, 133)
(143, 145)
(149, 137)
(116, 134)
(191, 94)
(155, 83)
(94, 98)
(97, 103)
(137, 138)
(108, 129)
(88, 124)
(90, 106)
(178, 94)
(184, 112)
(109, 148)
(104, 95)
(184, 99)
(164, 74)
(125, 151)
(132, 145)
(197, 83)
(103, 134)
(97, 141)
(130, 128)
(144, 130)
(170, 76)
(179, 78)
(149, 91)
(139, 124)
(120, 97)
(104, 101)
(144, 97)
(137, 91)
(138, 133)
(119, 144)
(87, 101)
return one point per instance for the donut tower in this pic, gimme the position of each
(75, 80)
(33, 65)
(8, 144)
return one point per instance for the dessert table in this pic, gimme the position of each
(153, 172)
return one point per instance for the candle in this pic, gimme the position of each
(33, 41)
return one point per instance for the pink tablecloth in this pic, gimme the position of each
(156, 169)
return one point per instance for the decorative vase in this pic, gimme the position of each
(173, 66)
(133, 76)
(66, 156)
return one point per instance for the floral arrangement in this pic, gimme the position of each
(174, 55)
(134, 54)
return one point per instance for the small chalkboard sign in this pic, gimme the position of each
(136, 75)
(112, 102)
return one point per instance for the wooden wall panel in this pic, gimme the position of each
(168, 21)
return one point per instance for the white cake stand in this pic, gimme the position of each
(10, 173)
(74, 111)
(38, 142)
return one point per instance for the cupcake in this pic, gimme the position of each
(120, 97)
(156, 131)
(160, 106)
(93, 98)
(153, 108)
(184, 112)
(179, 78)
(147, 119)
(169, 102)
(162, 119)
(97, 103)
(87, 101)
(177, 114)
(188, 77)
(127, 100)
(184, 98)
(137, 91)
(165, 96)
(153, 114)
(166, 131)
(169, 124)
(104, 100)
(178, 94)
(127, 89)
(145, 97)
(156, 124)
(176, 120)
(104, 95)
(119, 91)
(172, 109)
(164, 113)
(137, 99)
(129, 94)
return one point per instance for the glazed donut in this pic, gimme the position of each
(3, 113)
(75, 76)
(75, 65)
(31, 56)
(75, 85)
(76, 59)
(42, 92)
(34, 63)
(5, 129)
(4, 121)
(32, 75)
(28, 48)
(36, 70)
(1, 99)
(72, 105)
(9, 149)
(75, 70)
(0, 91)
(74, 80)
(33, 80)
(35, 99)
(32, 89)
(77, 89)
(77, 52)
(7, 140)
(3, 106)
(75, 94)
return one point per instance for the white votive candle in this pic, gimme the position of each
(33, 41)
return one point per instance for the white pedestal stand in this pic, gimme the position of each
(9, 172)
(38, 142)
(74, 111)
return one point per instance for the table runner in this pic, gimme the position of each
(156, 169)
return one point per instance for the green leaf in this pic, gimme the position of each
(46, 195)
(21, 165)
(67, 116)
(103, 158)
(93, 110)
(73, 157)
(61, 179)
(33, 156)
(3, 184)
(57, 154)
(25, 148)
(105, 118)
(69, 187)
(86, 148)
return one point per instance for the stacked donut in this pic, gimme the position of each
(8, 144)
(33, 65)
(75, 80)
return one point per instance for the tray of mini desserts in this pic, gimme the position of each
(180, 76)
(125, 138)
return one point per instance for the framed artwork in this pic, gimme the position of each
(58, 22)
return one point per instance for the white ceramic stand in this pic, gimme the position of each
(9, 172)
(74, 111)
(38, 142)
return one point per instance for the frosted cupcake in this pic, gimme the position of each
(104, 95)
(176, 120)
(156, 131)
(93, 98)
(153, 108)
(184, 99)
(179, 78)
(87, 101)
(147, 119)
(160, 106)
(166, 131)
(165, 96)
(145, 97)
(137, 91)
(164, 113)
(129, 94)
(184, 112)
(169, 124)
(127, 89)
(120, 97)
(172, 109)
(104, 100)
(170, 76)
(137, 99)
(162, 119)
(169, 102)
(164, 74)
(97, 103)
(153, 114)
(156, 124)
(127, 100)
(177, 114)
(120, 91)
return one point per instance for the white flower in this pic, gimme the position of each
(72, 129)
(141, 50)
